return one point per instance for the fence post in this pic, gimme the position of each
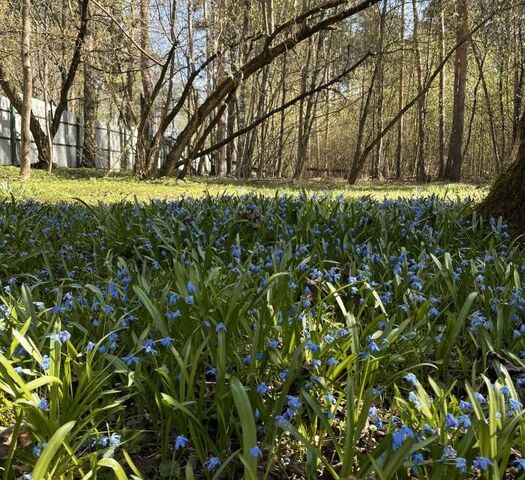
(12, 127)
(109, 145)
(125, 149)
(80, 148)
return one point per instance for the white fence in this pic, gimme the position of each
(115, 145)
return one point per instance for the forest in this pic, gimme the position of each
(410, 90)
(262, 239)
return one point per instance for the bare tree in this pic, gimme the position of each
(25, 150)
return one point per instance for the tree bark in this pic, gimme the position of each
(455, 151)
(507, 196)
(421, 114)
(441, 101)
(25, 150)
(89, 151)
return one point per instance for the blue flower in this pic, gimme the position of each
(212, 464)
(166, 342)
(148, 346)
(332, 362)
(418, 458)
(46, 362)
(514, 405)
(256, 452)
(520, 464)
(220, 328)
(482, 463)
(131, 360)
(414, 399)
(400, 436)
(263, 389)
(312, 347)
(480, 398)
(281, 421)
(465, 406)
(181, 442)
(172, 315)
(43, 404)
(464, 421)
(191, 288)
(411, 378)
(293, 402)
(114, 440)
(461, 464)
(451, 422)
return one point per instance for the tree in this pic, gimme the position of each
(507, 196)
(25, 150)
(455, 151)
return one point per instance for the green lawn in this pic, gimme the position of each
(93, 186)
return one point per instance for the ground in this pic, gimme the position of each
(92, 186)
(375, 332)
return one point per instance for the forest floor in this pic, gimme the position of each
(92, 186)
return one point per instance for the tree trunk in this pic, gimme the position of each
(420, 158)
(89, 151)
(25, 151)
(507, 196)
(455, 151)
(441, 101)
(401, 100)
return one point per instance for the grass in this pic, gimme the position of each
(92, 186)
(258, 336)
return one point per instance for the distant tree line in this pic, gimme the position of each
(387, 89)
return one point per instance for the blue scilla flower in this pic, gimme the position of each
(256, 452)
(262, 389)
(519, 464)
(312, 347)
(400, 436)
(514, 405)
(114, 440)
(281, 421)
(191, 287)
(37, 449)
(418, 458)
(464, 421)
(293, 402)
(212, 464)
(45, 363)
(482, 463)
(172, 315)
(414, 399)
(460, 464)
(221, 327)
(411, 378)
(465, 406)
(148, 346)
(172, 298)
(166, 342)
(451, 422)
(480, 398)
(181, 442)
(130, 360)
(43, 404)
(332, 362)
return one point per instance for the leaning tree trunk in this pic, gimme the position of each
(507, 196)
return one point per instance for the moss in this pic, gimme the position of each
(92, 186)
(507, 198)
